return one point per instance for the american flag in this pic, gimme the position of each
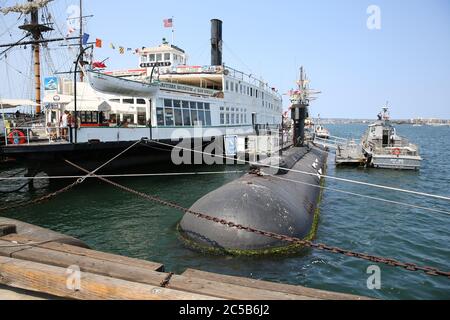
(168, 23)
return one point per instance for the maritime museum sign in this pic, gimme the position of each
(156, 64)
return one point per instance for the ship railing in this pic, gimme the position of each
(341, 140)
(405, 150)
(29, 135)
(332, 142)
(239, 75)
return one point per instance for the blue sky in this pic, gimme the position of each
(406, 62)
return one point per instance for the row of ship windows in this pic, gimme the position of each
(183, 113)
(129, 101)
(243, 89)
(231, 116)
(158, 57)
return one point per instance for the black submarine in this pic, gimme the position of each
(283, 202)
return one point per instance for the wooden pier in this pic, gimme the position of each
(33, 269)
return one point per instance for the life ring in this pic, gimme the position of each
(396, 152)
(17, 137)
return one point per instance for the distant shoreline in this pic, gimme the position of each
(395, 121)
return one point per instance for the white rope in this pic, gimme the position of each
(315, 175)
(364, 196)
(137, 175)
(108, 162)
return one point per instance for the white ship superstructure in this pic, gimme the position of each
(177, 95)
(164, 99)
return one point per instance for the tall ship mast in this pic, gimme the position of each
(35, 32)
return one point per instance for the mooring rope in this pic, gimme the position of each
(313, 174)
(70, 186)
(136, 175)
(362, 195)
(319, 246)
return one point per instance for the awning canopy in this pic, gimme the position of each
(14, 103)
(89, 105)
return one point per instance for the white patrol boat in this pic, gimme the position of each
(384, 148)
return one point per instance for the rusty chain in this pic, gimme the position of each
(41, 199)
(70, 186)
(166, 281)
(306, 243)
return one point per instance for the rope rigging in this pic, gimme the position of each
(378, 186)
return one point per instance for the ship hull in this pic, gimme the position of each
(398, 163)
(50, 158)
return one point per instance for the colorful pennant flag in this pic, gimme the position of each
(112, 46)
(70, 31)
(168, 23)
(98, 43)
(85, 38)
(121, 50)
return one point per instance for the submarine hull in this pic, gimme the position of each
(284, 203)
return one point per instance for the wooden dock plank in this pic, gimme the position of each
(116, 268)
(86, 264)
(141, 275)
(89, 253)
(53, 280)
(271, 286)
(9, 293)
(227, 290)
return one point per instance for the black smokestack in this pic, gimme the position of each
(216, 42)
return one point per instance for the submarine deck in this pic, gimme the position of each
(33, 270)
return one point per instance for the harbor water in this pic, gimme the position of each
(109, 220)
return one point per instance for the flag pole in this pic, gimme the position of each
(173, 31)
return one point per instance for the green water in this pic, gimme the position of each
(110, 220)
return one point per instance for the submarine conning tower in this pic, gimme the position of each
(299, 110)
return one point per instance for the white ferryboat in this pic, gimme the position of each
(164, 100)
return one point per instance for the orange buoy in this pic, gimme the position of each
(17, 137)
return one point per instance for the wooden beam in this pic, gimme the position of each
(228, 291)
(54, 281)
(140, 275)
(90, 253)
(271, 286)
